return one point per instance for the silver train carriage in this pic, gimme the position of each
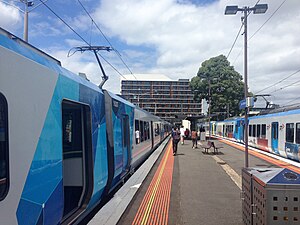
(277, 132)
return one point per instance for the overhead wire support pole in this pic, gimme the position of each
(95, 49)
(44, 3)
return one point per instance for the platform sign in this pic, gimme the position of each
(242, 104)
(248, 102)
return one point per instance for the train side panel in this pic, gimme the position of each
(28, 106)
(120, 116)
(43, 100)
(144, 145)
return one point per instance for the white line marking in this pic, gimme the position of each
(237, 179)
(272, 155)
(136, 186)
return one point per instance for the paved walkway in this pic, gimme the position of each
(205, 187)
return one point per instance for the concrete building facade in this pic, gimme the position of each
(158, 94)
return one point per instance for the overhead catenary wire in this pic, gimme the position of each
(292, 101)
(115, 50)
(80, 36)
(292, 74)
(296, 82)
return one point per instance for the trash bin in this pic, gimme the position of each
(271, 196)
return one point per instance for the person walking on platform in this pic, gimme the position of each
(194, 139)
(202, 134)
(182, 135)
(175, 139)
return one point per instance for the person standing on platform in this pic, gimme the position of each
(194, 139)
(182, 135)
(202, 134)
(186, 133)
(175, 139)
(137, 136)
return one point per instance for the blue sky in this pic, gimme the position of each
(171, 37)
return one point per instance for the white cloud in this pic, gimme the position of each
(10, 17)
(184, 35)
(86, 63)
(174, 38)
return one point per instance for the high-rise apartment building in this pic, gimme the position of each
(158, 94)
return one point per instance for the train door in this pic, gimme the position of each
(126, 144)
(77, 158)
(4, 160)
(242, 130)
(274, 137)
(152, 134)
(236, 130)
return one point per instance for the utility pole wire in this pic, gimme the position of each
(259, 27)
(267, 20)
(12, 5)
(80, 37)
(235, 41)
(115, 50)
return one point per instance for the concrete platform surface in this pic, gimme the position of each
(205, 187)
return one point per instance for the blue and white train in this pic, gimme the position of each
(65, 144)
(277, 132)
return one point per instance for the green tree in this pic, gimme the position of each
(226, 85)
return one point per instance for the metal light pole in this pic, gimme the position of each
(26, 12)
(232, 10)
(246, 86)
(25, 35)
(209, 103)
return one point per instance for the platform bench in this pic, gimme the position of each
(216, 148)
(207, 146)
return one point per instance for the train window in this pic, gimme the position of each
(142, 131)
(4, 177)
(254, 131)
(72, 136)
(263, 131)
(146, 131)
(137, 131)
(125, 130)
(289, 132)
(156, 129)
(297, 133)
(230, 128)
(236, 128)
(258, 130)
(250, 130)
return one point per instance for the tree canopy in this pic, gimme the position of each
(226, 85)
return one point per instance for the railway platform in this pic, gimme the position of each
(192, 187)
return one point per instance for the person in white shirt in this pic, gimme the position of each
(182, 135)
(137, 136)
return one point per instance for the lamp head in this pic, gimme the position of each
(260, 8)
(231, 10)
